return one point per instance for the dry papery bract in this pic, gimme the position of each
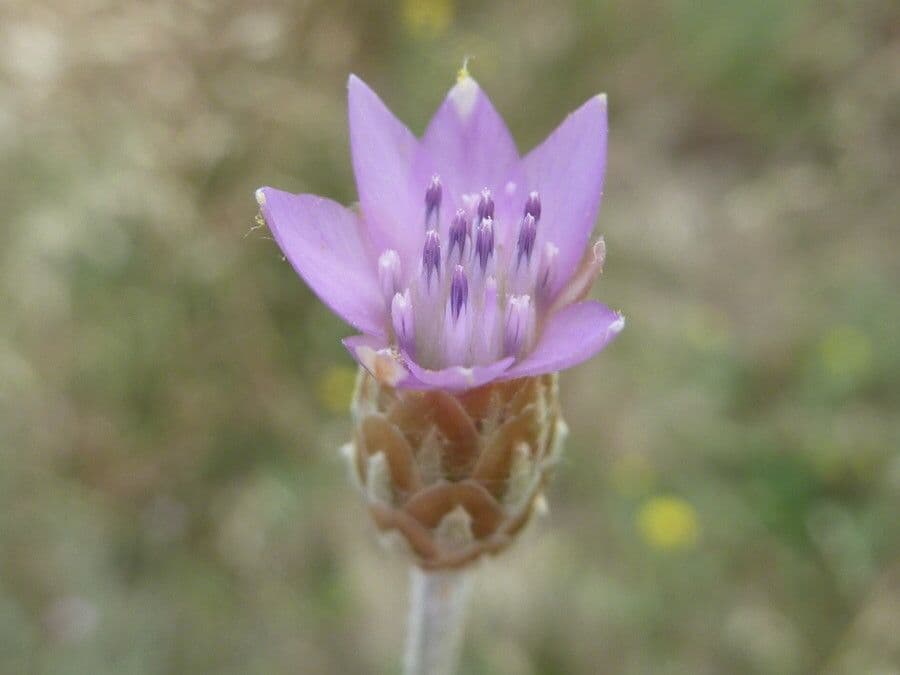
(451, 477)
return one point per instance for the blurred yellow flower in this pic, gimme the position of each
(846, 352)
(427, 18)
(335, 388)
(668, 523)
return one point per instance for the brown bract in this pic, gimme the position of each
(452, 477)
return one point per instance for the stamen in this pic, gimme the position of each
(485, 205)
(459, 229)
(546, 270)
(459, 291)
(484, 243)
(428, 296)
(519, 324)
(402, 320)
(433, 195)
(431, 257)
(486, 349)
(457, 334)
(389, 274)
(527, 236)
(533, 205)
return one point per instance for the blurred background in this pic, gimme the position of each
(172, 397)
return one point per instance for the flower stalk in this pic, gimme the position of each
(468, 305)
(437, 609)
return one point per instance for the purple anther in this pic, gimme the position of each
(402, 320)
(485, 205)
(389, 274)
(527, 236)
(433, 202)
(431, 256)
(459, 291)
(484, 242)
(518, 324)
(459, 229)
(533, 205)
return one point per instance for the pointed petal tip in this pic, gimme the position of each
(601, 98)
(260, 195)
(463, 72)
(357, 87)
(464, 95)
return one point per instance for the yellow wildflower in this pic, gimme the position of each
(668, 523)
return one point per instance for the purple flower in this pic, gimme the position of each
(465, 263)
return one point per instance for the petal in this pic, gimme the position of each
(375, 355)
(572, 335)
(455, 378)
(468, 145)
(387, 366)
(567, 169)
(383, 150)
(324, 243)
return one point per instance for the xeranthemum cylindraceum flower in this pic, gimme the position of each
(464, 263)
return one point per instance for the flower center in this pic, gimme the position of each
(472, 302)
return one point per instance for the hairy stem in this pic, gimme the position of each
(436, 616)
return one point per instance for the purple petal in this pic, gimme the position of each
(375, 355)
(455, 378)
(567, 170)
(383, 150)
(324, 243)
(468, 145)
(572, 335)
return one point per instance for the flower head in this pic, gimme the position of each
(466, 262)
